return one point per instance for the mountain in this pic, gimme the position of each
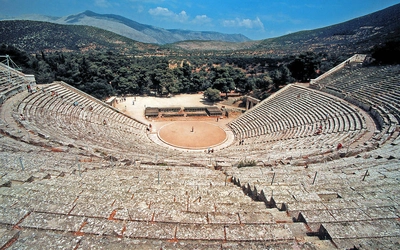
(356, 35)
(137, 31)
(36, 36)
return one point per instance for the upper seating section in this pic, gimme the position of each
(12, 81)
(10, 77)
(62, 113)
(302, 117)
(374, 88)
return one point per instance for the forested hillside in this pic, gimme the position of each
(358, 35)
(33, 37)
(104, 73)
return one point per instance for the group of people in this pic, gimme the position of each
(149, 128)
(122, 99)
(319, 130)
(30, 88)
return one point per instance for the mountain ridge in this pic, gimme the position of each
(134, 30)
(357, 35)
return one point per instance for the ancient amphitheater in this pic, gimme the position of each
(76, 173)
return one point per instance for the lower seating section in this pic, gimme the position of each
(140, 205)
(352, 202)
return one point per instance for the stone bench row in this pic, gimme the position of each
(88, 105)
(11, 78)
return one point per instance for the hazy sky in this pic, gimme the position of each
(256, 19)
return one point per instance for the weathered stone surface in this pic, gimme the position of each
(202, 232)
(150, 230)
(7, 235)
(103, 227)
(57, 222)
(105, 242)
(223, 218)
(256, 217)
(11, 216)
(36, 239)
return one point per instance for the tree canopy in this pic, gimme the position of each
(105, 73)
(212, 95)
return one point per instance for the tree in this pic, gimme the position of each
(224, 78)
(169, 83)
(45, 74)
(212, 95)
(200, 81)
(98, 89)
(264, 82)
(389, 53)
(304, 66)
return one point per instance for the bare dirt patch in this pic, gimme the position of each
(192, 134)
